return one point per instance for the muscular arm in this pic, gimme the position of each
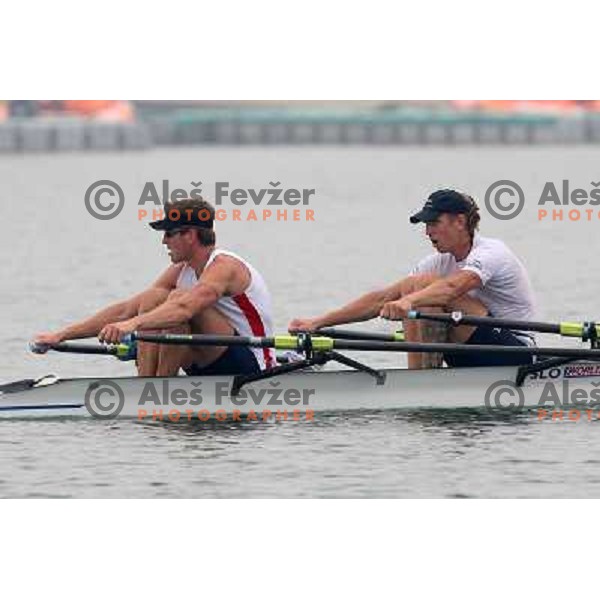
(362, 309)
(225, 276)
(119, 311)
(443, 291)
(92, 325)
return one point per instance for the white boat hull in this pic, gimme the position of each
(301, 395)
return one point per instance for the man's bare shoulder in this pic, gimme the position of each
(227, 262)
(168, 278)
(230, 270)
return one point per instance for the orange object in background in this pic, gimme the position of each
(512, 106)
(105, 110)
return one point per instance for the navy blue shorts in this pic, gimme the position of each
(236, 360)
(489, 336)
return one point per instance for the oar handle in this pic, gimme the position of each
(120, 351)
(72, 347)
(38, 348)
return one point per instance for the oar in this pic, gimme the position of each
(121, 351)
(584, 331)
(302, 343)
(349, 334)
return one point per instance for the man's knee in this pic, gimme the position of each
(469, 306)
(155, 297)
(414, 283)
(152, 298)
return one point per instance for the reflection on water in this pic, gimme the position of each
(396, 453)
(481, 419)
(211, 428)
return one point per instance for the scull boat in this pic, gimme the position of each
(567, 387)
(562, 379)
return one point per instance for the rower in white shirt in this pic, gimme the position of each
(469, 273)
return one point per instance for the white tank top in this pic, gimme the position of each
(249, 313)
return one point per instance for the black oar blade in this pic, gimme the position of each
(17, 386)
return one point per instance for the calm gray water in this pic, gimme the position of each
(60, 264)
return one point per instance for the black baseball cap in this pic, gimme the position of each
(176, 219)
(442, 201)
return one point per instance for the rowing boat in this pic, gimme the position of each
(563, 387)
(563, 379)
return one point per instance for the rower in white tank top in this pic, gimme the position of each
(249, 313)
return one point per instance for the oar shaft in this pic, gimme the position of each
(324, 344)
(348, 334)
(462, 348)
(195, 339)
(461, 319)
(585, 331)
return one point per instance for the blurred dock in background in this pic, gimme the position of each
(71, 126)
(55, 126)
